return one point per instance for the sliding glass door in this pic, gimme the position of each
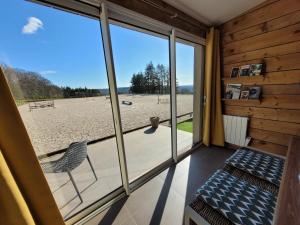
(184, 96)
(58, 78)
(143, 83)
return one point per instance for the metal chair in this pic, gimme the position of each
(72, 158)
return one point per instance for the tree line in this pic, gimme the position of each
(27, 85)
(154, 80)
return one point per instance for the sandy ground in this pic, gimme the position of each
(51, 129)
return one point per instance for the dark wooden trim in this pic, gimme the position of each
(163, 12)
(288, 204)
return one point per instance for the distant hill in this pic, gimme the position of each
(26, 85)
(121, 90)
(30, 85)
(185, 89)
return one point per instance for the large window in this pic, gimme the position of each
(58, 78)
(142, 73)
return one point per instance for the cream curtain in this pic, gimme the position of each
(213, 130)
(24, 193)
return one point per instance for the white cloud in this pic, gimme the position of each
(33, 24)
(47, 72)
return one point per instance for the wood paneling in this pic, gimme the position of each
(274, 51)
(268, 39)
(162, 11)
(286, 115)
(269, 147)
(270, 136)
(269, 33)
(276, 126)
(261, 15)
(275, 24)
(282, 89)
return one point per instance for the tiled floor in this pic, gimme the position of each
(162, 199)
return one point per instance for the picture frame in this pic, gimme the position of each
(233, 91)
(235, 72)
(244, 71)
(255, 92)
(244, 93)
(256, 69)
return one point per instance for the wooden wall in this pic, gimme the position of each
(269, 33)
(162, 11)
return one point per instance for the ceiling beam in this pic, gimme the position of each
(163, 12)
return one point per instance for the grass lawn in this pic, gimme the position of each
(20, 102)
(186, 126)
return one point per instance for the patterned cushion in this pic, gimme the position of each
(239, 201)
(259, 164)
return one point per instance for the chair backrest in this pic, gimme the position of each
(75, 155)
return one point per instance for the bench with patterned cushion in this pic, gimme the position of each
(238, 201)
(261, 165)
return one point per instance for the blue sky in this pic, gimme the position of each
(67, 49)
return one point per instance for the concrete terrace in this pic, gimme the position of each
(145, 149)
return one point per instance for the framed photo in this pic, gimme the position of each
(233, 91)
(244, 71)
(234, 72)
(256, 69)
(244, 92)
(254, 92)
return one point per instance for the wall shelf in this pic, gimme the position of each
(243, 100)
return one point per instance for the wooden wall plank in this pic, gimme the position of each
(261, 15)
(274, 51)
(276, 126)
(281, 89)
(269, 39)
(282, 77)
(270, 136)
(275, 24)
(286, 115)
(270, 147)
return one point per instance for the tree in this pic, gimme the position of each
(151, 79)
(154, 80)
(164, 79)
(137, 83)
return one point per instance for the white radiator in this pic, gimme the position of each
(235, 128)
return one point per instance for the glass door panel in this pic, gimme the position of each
(142, 73)
(56, 72)
(184, 96)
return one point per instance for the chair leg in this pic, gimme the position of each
(75, 186)
(88, 158)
